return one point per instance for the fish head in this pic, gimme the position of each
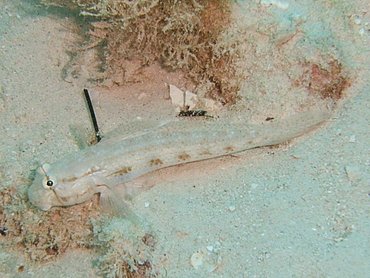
(41, 193)
(48, 190)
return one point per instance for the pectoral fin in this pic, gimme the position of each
(114, 204)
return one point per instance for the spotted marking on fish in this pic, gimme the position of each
(155, 162)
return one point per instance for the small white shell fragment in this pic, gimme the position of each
(191, 99)
(357, 19)
(210, 248)
(352, 139)
(231, 208)
(177, 96)
(146, 204)
(180, 98)
(207, 259)
(197, 259)
(279, 4)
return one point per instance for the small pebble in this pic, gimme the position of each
(210, 248)
(231, 208)
(146, 204)
(353, 173)
(352, 139)
(205, 259)
(254, 185)
(196, 259)
(357, 20)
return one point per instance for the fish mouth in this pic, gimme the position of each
(37, 202)
(38, 197)
(42, 207)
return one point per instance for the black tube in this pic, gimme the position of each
(92, 114)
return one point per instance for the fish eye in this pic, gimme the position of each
(48, 183)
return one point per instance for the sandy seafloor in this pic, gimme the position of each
(300, 210)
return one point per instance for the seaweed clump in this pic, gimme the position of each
(328, 81)
(125, 248)
(192, 36)
(43, 237)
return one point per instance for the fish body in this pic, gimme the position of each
(99, 168)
